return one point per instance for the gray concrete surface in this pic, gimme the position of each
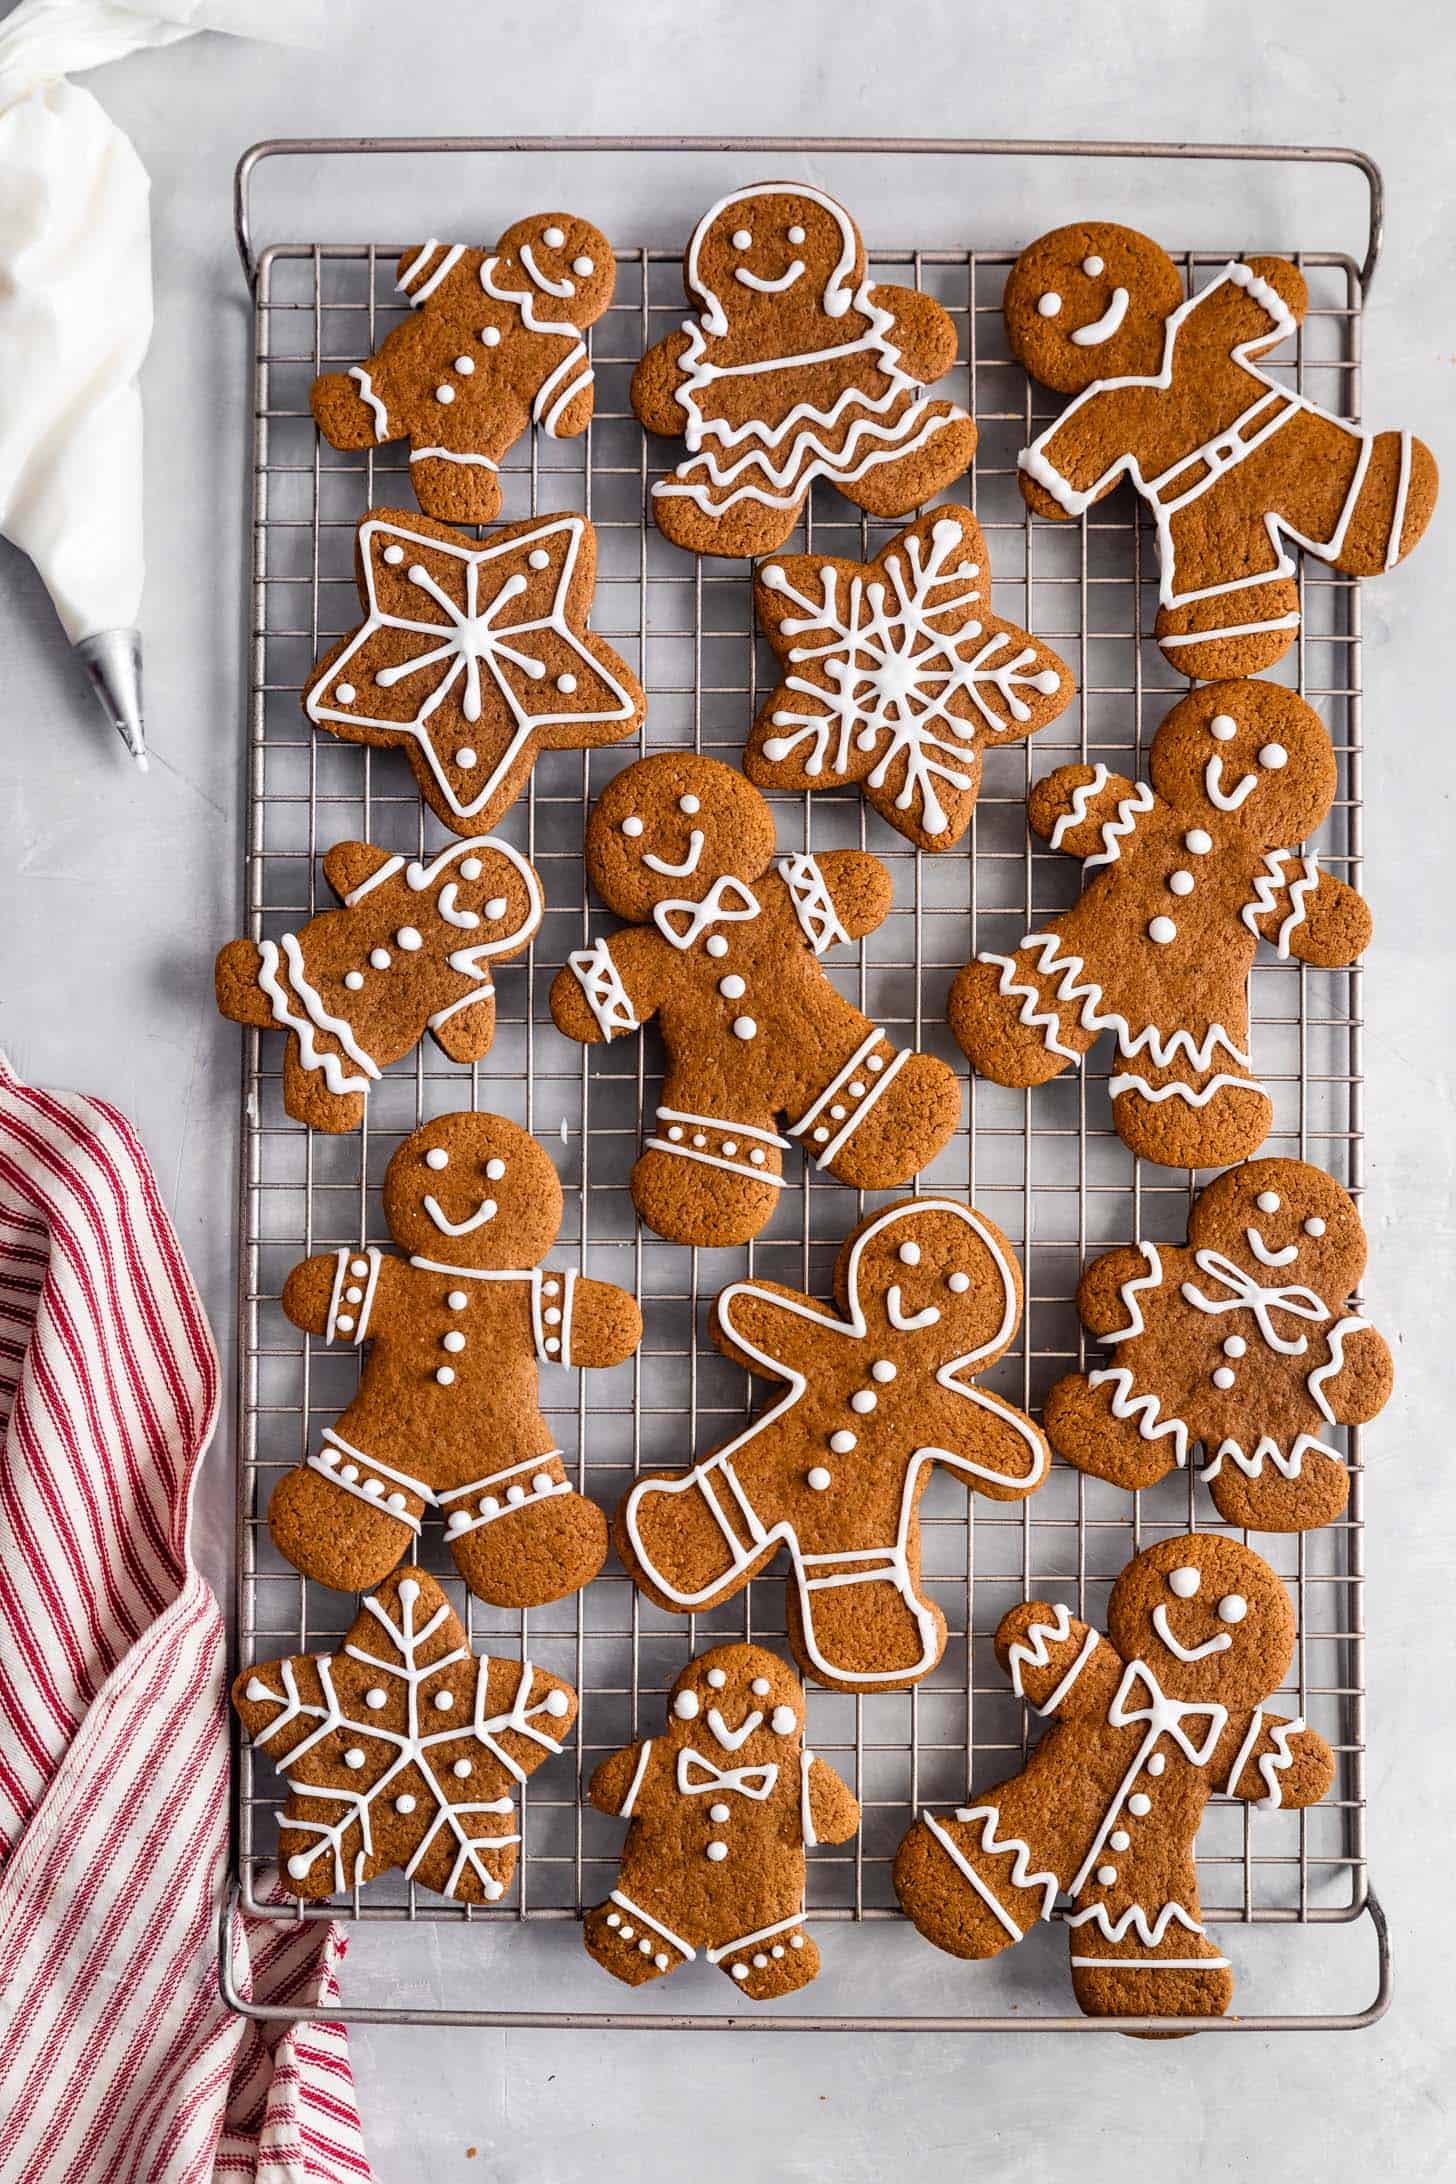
(116, 889)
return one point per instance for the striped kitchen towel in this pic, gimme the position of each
(119, 2061)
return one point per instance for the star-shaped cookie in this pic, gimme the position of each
(474, 659)
(898, 676)
(402, 1749)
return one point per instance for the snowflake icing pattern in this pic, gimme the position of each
(436, 1737)
(488, 650)
(899, 681)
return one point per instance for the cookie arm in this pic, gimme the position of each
(860, 889)
(1110, 1293)
(923, 333)
(654, 386)
(1255, 304)
(1354, 1382)
(987, 1441)
(337, 1294)
(349, 864)
(1087, 811)
(1058, 1663)
(617, 1779)
(832, 1806)
(610, 988)
(1265, 1759)
(1326, 925)
(773, 1331)
(279, 1703)
(606, 1324)
(1078, 460)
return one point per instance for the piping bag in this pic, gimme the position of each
(76, 312)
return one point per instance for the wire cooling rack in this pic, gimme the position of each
(1045, 1165)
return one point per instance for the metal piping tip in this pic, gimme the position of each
(113, 662)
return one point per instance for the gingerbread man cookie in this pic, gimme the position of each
(796, 366)
(410, 952)
(402, 1748)
(446, 1416)
(1190, 878)
(898, 677)
(1236, 468)
(1238, 1341)
(473, 659)
(494, 346)
(724, 948)
(1150, 1722)
(929, 1295)
(723, 1806)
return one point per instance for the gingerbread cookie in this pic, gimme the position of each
(494, 346)
(446, 1415)
(1235, 467)
(1189, 879)
(1150, 1722)
(1238, 1341)
(928, 1294)
(723, 1806)
(474, 659)
(723, 948)
(898, 677)
(796, 366)
(402, 1749)
(410, 952)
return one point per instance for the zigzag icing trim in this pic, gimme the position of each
(1022, 1874)
(1270, 885)
(1114, 830)
(1127, 1291)
(1337, 1337)
(1271, 1765)
(1146, 1409)
(1162, 1050)
(1267, 1451)
(1194, 1095)
(1135, 1921)
(1032, 1650)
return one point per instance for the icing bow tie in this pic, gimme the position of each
(696, 1774)
(726, 903)
(1167, 1717)
(1245, 1289)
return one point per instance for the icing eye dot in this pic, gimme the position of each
(437, 1157)
(470, 868)
(538, 559)
(1092, 267)
(495, 1169)
(783, 1721)
(583, 266)
(958, 1282)
(1273, 756)
(796, 235)
(717, 1677)
(1049, 304)
(689, 804)
(685, 1705)
(909, 1254)
(1232, 1608)
(760, 1687)
(741, 238)
(632, 826)
(1223, 727)
(553, 238)
(1268, 1201)
(1314, 1226)
(1184, 1582)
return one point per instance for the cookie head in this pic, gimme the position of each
(935, 1270)
(473, 1191)
(1290, 1222)
(668, 828)
(771, 248)
(1090, 302)
(563, 262)
(738, 1700)
(1211, 1620)
(1248, 756)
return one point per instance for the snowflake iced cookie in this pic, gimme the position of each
(402, 1749)
(1236, 468)
(447, 1413)
(898, 676)
(723, 947)
(494, 345)
(879, 1388)
(1189, 877)
(410, 952)
(1150, 1722)
(723, 1805)
(1238, 1341)
(473, 659)
(795, 366)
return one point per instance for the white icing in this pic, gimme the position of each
(1114, 830)
(688, 865)
(1241, 1290)
(315, 1018)
(1185, 1582)
(683, 923)
(1103, 329)
(813, 903)
(697, 1777)
(1162, 1050)
(1336, 1338)
(376, 407)
(601, 982)
(1219, 1643)
(1274, 882)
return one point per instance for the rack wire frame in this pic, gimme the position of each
(1045, 1165)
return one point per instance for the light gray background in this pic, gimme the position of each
(117, 889)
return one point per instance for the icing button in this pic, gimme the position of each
(718, 1813)
(863, 1400)
(1162, 930)
(842, 1442)
(744, 1028)
(818, 1478)
(1157, 1763)
(717, 1852)
(445, 1374)
(1140, 1803)
(732, 987)
(1119, 1839)
(716, 945)
(882, 1369)
(1198, 840)
(1106, 1875)
(1181, 883)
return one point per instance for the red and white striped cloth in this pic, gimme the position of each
(119, 2061)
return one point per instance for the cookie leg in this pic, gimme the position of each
(1100, 1424)
(744, 528)
(1185, 1977)
(1235, 633)
(946, 440)
(1007, 1017)
(341, 1529)
(953, 1892)
(629, 1944)
(1269, 1502)
(704, 1201)
(686, 1539)
(1183, 1125)
(878, 1635)
(307, 1098)
(524, 1536)
(880, 1136)
(455, 486)
(775, 1960)
(1396, 501)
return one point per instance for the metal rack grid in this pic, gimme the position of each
(1045, 1165)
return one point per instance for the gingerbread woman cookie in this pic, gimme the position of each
(1150, 1722)
(473, 659)
(410, 952)
(402, 1748)
(724, 948)
(1190, 878)
(723, 1806)
(446, 1416)
(929, 1295)
(1238, 1341)
(493, 346)
(1235, 467)
(898, 677)
(796, 366)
